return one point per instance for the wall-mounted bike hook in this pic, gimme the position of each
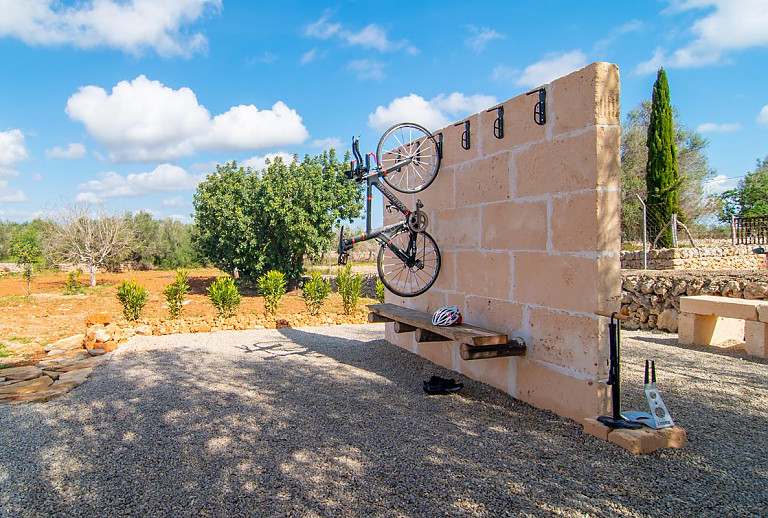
(440, 145)
(465, 143)
(540, 109)
(498, 124)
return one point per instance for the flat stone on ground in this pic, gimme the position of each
(27, 372)
(72, 342)
(25, 387)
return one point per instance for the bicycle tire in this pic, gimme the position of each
(408, 140)
(404, 280)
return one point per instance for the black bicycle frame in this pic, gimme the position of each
(372, 180)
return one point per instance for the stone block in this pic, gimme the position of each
(502, 316)
(72, 342)
(26, 387)
(519, 127)
(638, 442)
(721, 306)
(564, 393)
(594, 427)
(514, 225)
(756, 338)
(456, 228)
(439, 195)
(569, 341)
(486, 274)
(483, 181)
(709, 330)
(494, 372)
(587, 221)
(586, 97)
(563, 282)
(439, 353)
(566, 164)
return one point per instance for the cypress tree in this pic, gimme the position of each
(661, 174)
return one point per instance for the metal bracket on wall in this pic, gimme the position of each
(465, 143)
(440, 145)
(498, 124)
(540, 109)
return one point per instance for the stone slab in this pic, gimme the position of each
(72, 342)
(25, 387)
(756, 339)
(725, 307)
(696, 329)
(27, 372)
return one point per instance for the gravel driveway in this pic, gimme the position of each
(333, 422)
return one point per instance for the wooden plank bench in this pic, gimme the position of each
(713, 320)
(476, 343)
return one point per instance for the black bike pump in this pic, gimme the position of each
(616, 420)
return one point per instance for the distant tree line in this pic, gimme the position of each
(82, 234)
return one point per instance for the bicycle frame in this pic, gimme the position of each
(372, 179)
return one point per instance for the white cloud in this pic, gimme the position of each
(713, 127)
(436, 113)
(372, 36)
(368, 69)
(762, 117)
(720, 183)
(625, 28)
(728, 25)
(327, 143)
(72, 151)
(163, 178)
(480, 37)
(322, 29)
(310, 56)
(551, 67)
(504, 74)
(257, 163)
(9, 194)
(12, 150)
(144, 120)
(130, 26)
(176, 201)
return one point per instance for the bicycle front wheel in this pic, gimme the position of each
(409, 263)
(409, 155)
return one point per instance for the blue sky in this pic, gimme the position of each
(130, 103)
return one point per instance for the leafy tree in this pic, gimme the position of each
(77, 236)
(750, 197)
(26, 249)
(693, 166)
(661, 174)
(7, 230)
(248, 223)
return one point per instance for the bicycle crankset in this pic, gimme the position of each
(417, 221)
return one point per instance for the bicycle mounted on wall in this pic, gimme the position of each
(407, 159)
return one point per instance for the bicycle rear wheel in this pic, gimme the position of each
(414, 144)
(409, 263)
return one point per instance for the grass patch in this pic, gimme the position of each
(19, 339)
(4, 352)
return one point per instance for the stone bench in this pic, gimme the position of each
(713, 320)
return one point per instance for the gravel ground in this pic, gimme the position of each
(333, 422)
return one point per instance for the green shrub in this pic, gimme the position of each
(272, 286)
(350, 287)
(175, 293)
(73, 286)
(224, 296)
(133, 298)
(314, 292)
(380, 291)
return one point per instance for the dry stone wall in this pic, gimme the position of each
(652, 298)
(740, 257)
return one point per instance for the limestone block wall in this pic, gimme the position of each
(528, 228)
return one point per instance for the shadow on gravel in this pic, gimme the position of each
(302, 423)
(672, 341)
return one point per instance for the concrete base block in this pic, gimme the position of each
(755, 338)
(642, 441)
(709, 330)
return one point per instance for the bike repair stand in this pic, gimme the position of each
(659, 416)
(616, 420)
